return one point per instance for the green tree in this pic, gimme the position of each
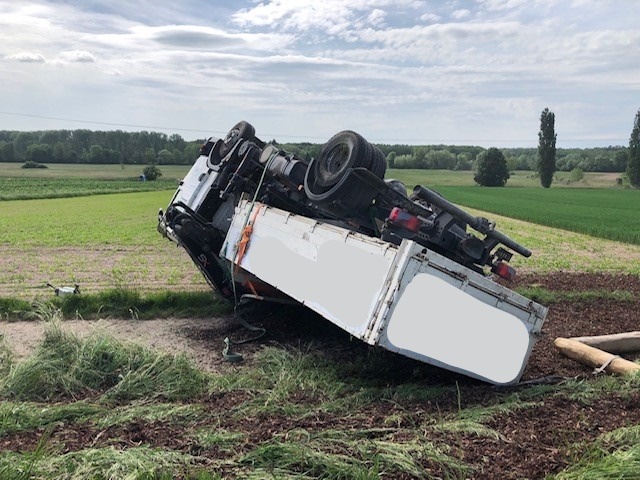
(547, 148)
(165, 157)
(151, 172)
(391, 159)
(58, 152)
(492, 169)
(96, 154)
(633, 164)
(39, 152)
(8, 153)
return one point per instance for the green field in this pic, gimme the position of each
(308, 402)
(121, 219)
(83, 170)
(26, 188)
(64, 180)
(111, 241)
(439, 178)
(604, 213)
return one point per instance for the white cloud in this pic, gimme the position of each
(461, 14)
(430, 17)
(500, 5)
(376, 17)
(27, 57)
(392, 69)
(76, 56)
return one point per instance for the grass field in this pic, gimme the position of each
(128, 219)
(27, 188)
(439, 178)
(106, 241)
(101, 408)
(604, 213)
(81, 170)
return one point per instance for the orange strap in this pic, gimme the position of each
(246, 235)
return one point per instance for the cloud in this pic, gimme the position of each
(381, 66)
(27, 57)
(429, 17)
(76, 56)
(500, 5)
(336, 17)
(460, 14)
(376, 17)
(190, 36)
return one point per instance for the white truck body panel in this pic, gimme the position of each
(406, 298)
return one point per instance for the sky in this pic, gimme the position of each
(465, 72)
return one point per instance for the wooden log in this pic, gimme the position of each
(616, 343)
(594, 357)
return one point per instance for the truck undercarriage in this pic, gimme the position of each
(333, 234)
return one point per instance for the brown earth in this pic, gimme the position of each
(534, 442)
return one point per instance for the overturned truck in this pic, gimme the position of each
(395, 270)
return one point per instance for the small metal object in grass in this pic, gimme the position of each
(228, 355)
(62, 291)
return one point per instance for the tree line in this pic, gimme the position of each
(120, 147)
(88, 146)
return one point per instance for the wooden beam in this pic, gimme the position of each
(616, 343)
(594, 357)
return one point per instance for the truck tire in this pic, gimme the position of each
(241, 130)
(327, 181)
(343, 151)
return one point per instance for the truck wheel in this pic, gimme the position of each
(379, 166)
(241, 130)
(343, 151)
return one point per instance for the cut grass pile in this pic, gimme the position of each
(64, 366)
(293, 414)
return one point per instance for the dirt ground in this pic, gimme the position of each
(536, 442)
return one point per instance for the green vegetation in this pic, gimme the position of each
(152, 172)
(616, 455)
(139, 148)
(96, 407)
(633, 165)
(65, 366)
(601, 213)
(439, 178)
(545, 297)
(96, 172)
(43, 188)
(491, 169)
(96, 147)
(32, 164)
(547, 148)
(120, 303)
(123, 219)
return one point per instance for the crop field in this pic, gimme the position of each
(88, 171)
(604, 213)
(27, 188)
(122, 397)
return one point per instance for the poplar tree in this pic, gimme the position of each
(633, 162)
(547, 148)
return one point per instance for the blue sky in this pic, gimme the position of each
(405, 71)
